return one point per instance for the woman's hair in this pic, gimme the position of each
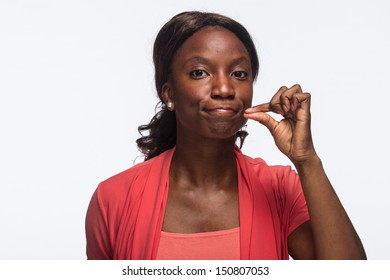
(162, 127)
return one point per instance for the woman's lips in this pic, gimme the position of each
(222, 111)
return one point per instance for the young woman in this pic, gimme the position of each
(197, 196)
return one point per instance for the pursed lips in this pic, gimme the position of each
(222, 110)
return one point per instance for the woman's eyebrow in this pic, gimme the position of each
(201, 59)
(196, 59)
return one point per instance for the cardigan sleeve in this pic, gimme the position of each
(97, 231)
(292, 200)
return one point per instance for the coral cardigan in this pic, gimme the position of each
(126, 212)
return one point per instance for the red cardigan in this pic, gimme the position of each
(126, 212)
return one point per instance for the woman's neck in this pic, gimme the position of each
(204, 162)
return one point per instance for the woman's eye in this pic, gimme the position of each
(198, 73)
(240, 74)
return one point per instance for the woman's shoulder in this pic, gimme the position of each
(259, 164)
(282, 179)
(126, 175)
(120, 183)
(280, 183)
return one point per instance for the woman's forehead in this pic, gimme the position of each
(211, 41)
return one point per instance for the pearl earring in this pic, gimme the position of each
(170, 105)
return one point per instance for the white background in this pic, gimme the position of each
(76, 80)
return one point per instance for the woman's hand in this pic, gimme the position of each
(330, 234)
(292, 134)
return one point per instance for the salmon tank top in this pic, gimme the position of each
(215, 245)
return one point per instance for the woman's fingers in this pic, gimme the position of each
(259, 113)
(292, 134)
(265, 107)
(292, 103)
(283, 102)
(276, 104)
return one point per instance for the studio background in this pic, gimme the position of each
(76, 81)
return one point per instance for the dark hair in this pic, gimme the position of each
(162, 127)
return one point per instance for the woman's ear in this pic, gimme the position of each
(167, 96)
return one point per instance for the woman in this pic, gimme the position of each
(197, 196)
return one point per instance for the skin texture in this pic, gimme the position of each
(211, 87)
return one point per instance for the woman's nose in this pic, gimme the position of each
(222, 88)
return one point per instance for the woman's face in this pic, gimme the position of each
(211, 84)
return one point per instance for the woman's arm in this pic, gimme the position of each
(330, 233)
(98, 245)
(333, 235)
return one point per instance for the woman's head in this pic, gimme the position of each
(182, 26)
(162, 128)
